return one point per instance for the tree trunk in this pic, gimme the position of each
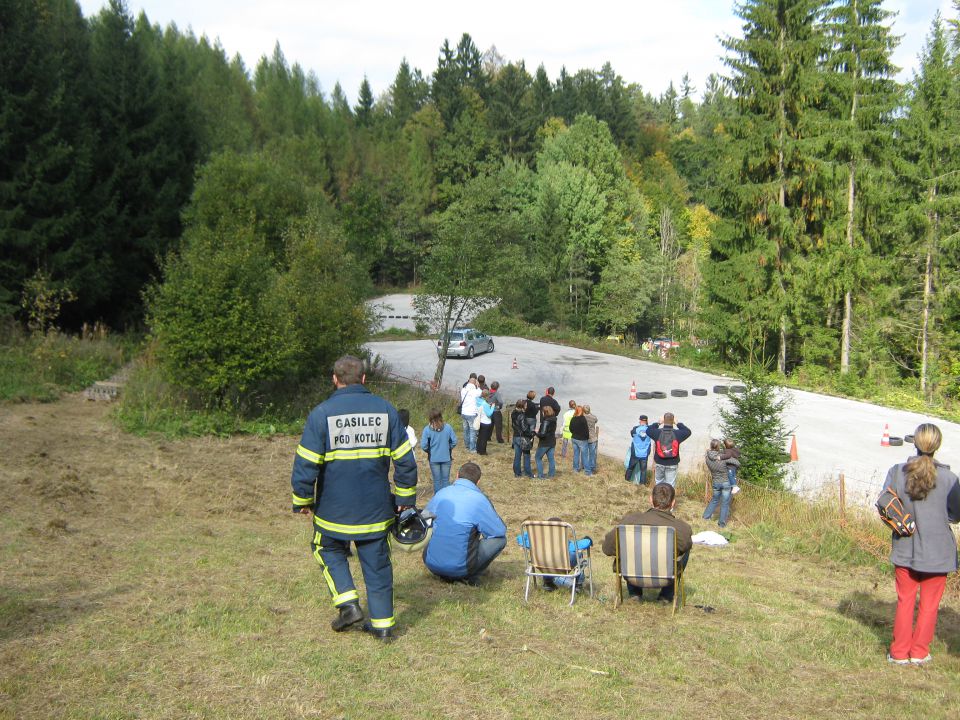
(444, 340)
(925, 325)
(782, 200)
(848, 294)
(851, 210)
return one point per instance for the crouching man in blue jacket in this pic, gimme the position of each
(467, 531)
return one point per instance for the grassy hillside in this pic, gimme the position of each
(152, 578)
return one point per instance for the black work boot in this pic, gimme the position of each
(349, 614)
(382, 634)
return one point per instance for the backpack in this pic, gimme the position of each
(893, 513)
(667, 445)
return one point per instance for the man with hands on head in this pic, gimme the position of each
(667, 436)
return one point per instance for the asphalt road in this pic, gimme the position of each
(833, 435)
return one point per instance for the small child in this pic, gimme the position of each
(411, 434)
(731, 451)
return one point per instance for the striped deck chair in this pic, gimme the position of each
(547, 554)
(647, 557)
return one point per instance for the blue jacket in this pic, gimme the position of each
(463, 513)
(641, 441)
(343, 462)
(438, 443)
(523, 540)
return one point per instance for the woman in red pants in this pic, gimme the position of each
(931, 494)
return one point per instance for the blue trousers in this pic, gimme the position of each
(374, 555)
(580, 455)
(517, 454)
(721, 497)
(469, 434)
(591, 462)
(441, 475)
(548, 451)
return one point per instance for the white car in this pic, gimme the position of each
(466, 342)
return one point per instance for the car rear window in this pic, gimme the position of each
(456, 336)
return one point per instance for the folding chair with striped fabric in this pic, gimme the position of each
(547, 552)
(647, 558)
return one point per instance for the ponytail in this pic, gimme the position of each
(921, 471)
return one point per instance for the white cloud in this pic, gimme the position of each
(649, 43)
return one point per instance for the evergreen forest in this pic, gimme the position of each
(797, 215)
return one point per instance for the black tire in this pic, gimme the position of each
(658, 395)
(678, 393)
(490, 347)
(739, 389)
(470, 353)
(699, 392)
(720, 389)
(896, 441)
(908, 438)
(643, 396)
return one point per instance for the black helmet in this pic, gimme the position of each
(412, 529)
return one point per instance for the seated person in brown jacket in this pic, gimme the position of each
(663, 499)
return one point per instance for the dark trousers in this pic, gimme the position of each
(483, 437)
(667, 592)
(374, 555)
(497, 420)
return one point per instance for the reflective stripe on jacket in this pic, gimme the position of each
(343, 461)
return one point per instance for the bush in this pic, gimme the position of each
(754, 421)
(217, 324)
(321, 295)
(42, 367)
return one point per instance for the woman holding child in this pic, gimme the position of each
(718, 467)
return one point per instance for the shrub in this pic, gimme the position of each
(215, 318)
(42, 367)
(754, 421)
(321, 296)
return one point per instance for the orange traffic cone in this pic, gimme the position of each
(633, 390)
(793, 450)
(885, 440)
(514, 366)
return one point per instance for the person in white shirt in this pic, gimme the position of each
(469, 394)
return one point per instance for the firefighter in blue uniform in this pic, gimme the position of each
(340, 476)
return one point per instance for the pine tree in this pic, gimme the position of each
(45, 142)
(511, 113)
(772, 189)
(542, 97)
(140, 173)
(364, 108)
(929, 173)
(859, 103)
(408, 94)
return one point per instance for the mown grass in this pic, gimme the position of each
(190, 592)
(43, 367)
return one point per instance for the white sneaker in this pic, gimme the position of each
(735, 489)
(897, 661)
(921, 661)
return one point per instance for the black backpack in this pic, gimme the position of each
(667, 445)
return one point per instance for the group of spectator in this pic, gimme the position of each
(468, 533)
(340, 480)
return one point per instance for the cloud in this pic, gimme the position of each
(648, 43)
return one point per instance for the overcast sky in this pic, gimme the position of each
(649, 43)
